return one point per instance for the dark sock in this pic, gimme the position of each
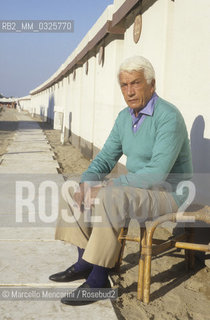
(80, 253)
(82, 265)
(98, 277)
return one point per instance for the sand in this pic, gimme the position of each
(175, 293)
(70, 159)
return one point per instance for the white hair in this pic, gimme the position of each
(138, 63)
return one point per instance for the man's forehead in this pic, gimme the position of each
(131, 76)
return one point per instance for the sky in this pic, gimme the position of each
(29, 59)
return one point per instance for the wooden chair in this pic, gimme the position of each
(151, 247)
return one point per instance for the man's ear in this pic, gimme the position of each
(153, 85)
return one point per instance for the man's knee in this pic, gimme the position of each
(112, 206)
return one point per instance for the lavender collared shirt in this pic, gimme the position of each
(146, 111)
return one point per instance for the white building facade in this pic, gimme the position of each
(83, 97)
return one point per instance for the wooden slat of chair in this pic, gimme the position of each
(122, 239)
(140, 285)
(193, 246)
(156, 250)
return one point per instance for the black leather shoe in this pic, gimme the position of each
(70, 274)
(84, 295)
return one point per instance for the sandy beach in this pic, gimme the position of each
(175, 293)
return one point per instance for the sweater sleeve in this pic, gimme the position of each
(106, 159)
(170, 136)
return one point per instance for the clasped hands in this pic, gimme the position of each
(85, 196)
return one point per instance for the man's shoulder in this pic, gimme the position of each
(163, 104)
(123, 114)
(124, 111)
(166, 108)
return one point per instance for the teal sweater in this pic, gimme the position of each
(157, 154)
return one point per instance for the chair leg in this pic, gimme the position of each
(123, 233)
(147, 268)
(141, 265)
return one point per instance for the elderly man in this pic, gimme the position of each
(152, 134)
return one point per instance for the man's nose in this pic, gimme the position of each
(130, 90)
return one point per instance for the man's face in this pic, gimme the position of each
(135, 89)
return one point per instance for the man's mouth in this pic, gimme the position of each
(133, 100)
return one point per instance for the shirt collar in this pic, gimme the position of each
(149, 108)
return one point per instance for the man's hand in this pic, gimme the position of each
(86, 195)
(79, 196)
(91, 196)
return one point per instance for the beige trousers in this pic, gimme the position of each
(97, 230)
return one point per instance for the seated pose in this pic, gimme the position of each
(151, 133)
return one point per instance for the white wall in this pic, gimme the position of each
(88, 101)
(24, 103)
(175, 38)
(187, 71)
